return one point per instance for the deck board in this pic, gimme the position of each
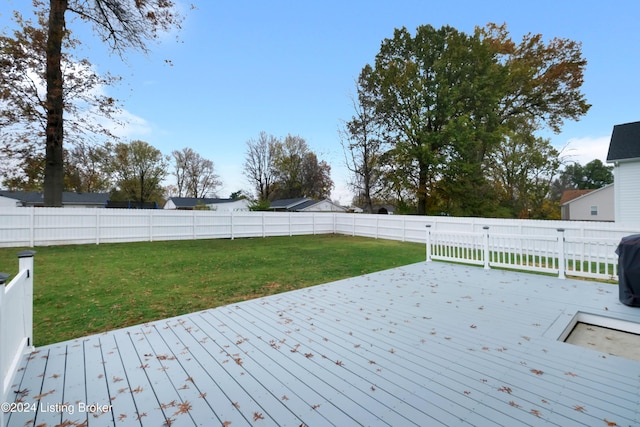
(74, 385)
(425, 344)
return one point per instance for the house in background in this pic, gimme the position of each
(218, 205)
(69, 199)
(305, 204)
(589, 205)
(9, 202)
(624, 153)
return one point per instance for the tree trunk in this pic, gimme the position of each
(423, 185)
(54, 168)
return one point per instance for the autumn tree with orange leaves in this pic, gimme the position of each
(444, 100)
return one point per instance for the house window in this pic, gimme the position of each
(594, 211)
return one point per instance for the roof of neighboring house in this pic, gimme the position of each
(190, 202)
(569, 195)
(581, 194)
(290, 203)
(306, 204)
(68, 197)
(299, 204)
(625, 142)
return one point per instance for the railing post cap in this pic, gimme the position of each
(26, 254)
(3, 278)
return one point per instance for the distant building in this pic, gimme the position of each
(69, 199)
(218, 205)
(624, 153)
(589, 205)
(305, 204)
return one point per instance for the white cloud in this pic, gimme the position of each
(131, 126)
(584, 150)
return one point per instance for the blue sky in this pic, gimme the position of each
(242, 67)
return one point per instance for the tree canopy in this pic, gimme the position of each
(138, 169)
(284, 169)
(445, 101)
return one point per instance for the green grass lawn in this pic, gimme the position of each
(85, 289)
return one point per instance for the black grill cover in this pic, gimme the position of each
(629, 270)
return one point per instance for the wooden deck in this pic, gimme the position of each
(427, 344)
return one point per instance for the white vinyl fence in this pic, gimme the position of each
(588, 248)
(16, 321)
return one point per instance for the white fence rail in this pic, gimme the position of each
(16, 321)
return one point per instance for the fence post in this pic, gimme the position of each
(25, 262)
(97, 226)
(353, 225)
(150, 226)
(561, 261)
(32, 226)
(428, 249)
(485, 239)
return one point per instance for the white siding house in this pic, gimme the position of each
(596, 205)
(624, 153)
(9, 202)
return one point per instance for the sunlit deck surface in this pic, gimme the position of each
(426, 344)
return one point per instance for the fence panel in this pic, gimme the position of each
(16, 320)
(592, 257)
(522, 252)
(457, 247)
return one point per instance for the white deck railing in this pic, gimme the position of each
(16, 321)
(559, 254)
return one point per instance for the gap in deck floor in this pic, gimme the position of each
(612, 341)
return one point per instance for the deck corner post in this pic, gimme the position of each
(428, 242)
(485, 240)
(25, 260)
(561, 257)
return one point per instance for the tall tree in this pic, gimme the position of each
(316, 177)
(430, 92)
(362, 142)
(123, 24)
(195, 175)
(298, 172)
(23, 103)
(138, 169)
(446, 99)
(258, 165)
